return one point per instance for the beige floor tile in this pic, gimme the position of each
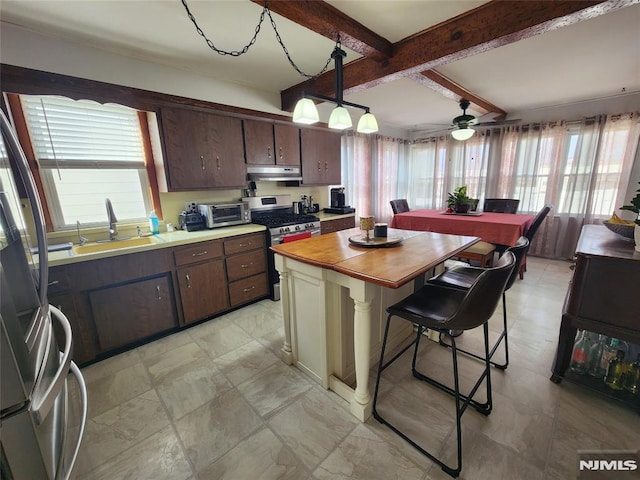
(363, 455)
(109, 366)
(245, 361)
(175, 363)
(313, 426)
(158, 457)
(120, 428)
(164, 345)
(261, 456)
(274, 387)
(259, 319)
(484, 459)
(198, 384)
(116, 387)
(210, 431)
(219, 341)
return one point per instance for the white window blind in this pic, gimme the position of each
(88, 152)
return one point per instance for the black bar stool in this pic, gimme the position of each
(462, 277)
(443, 308)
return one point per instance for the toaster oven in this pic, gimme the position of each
(225, 214)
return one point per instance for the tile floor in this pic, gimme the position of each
(215, 402)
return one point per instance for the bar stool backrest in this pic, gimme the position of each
(519, 250)
(482, 298)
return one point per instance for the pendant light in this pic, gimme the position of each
(305, 111)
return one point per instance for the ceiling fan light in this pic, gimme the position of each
(340, 119)
(463, 133)
(367, 123)
(305, 112)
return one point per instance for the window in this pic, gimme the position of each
(88, 152)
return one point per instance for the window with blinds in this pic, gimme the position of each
(88, 152)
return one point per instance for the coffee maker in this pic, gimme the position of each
(337, 201)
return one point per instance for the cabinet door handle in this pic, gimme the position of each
(252, 287)
(218, 162)
(158, 291)
(188, 280)
(319, 169)
(281, 156)
(245, 244)
(246, 265)
(199, 254)
(55, 282)
(202, 162)
(268, 152)
(326, 166)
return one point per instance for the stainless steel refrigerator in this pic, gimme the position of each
(41, 422)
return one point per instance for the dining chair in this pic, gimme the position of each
(399, 205)
(442, 309)
(483, 252)
(463, 276)
(501, 205)
(531, 232)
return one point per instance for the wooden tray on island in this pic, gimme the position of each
(375, 242)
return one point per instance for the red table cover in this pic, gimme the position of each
(498, 228)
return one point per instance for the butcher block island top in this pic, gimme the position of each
(391, 266)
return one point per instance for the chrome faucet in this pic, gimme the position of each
(113, 232)
(81, 240)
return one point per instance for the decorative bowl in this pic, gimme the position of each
(625, 231)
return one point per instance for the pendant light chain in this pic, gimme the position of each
(233, 53)
(245, 49)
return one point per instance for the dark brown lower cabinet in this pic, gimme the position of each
(203, 290)
(83, 344)
(132, 312)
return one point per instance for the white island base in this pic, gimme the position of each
(334, 325)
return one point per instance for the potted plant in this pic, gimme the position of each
(634, 207)
(458, 201)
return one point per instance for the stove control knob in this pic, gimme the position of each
(281, 230)
(287, 229)
(297, 227)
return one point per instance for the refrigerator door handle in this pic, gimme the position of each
(42, 403)
(65, 468)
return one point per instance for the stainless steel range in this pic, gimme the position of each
(276, 213)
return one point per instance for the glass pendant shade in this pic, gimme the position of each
(367, 123)
(463, 133)
(305, 112)
(340, 119)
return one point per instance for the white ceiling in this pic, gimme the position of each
(597, 58)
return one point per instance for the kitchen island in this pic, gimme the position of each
(334, 296)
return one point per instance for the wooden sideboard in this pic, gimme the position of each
(602, 298)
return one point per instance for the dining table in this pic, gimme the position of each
(491, 227)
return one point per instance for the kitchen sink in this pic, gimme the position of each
(95, 247)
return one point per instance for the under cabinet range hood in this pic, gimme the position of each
(273, 173)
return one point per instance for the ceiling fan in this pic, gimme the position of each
(462, 124)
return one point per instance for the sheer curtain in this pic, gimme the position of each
(371, 173)
(582, 168)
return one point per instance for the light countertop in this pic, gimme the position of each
(166, 239)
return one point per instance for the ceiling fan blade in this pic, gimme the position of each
(499, 123)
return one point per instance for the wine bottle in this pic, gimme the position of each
(616, 372)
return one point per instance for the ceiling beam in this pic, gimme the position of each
(450, 89)
(328, 21)
(488, 26)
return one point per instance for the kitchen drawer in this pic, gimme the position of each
(244, 243)
(248, 289)
(328, 226)
(197, 252)
(245, 265)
